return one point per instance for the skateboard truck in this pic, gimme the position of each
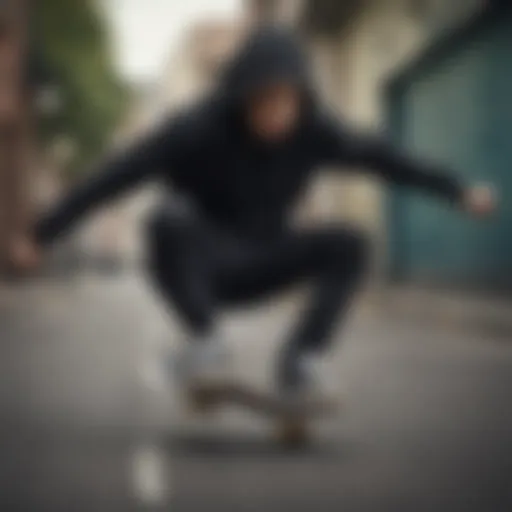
(293, 417)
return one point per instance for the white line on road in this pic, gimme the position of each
(151, 471)
(151, 479)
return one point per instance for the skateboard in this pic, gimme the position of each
(292, 419)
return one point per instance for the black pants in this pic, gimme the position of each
(200, 270)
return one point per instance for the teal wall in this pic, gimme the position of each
(455, 107)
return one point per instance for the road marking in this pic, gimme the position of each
(151, 478)
(151, 471)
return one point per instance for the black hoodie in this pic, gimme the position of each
(206, 154)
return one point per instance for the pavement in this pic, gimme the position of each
(487, 313)
(88, 425)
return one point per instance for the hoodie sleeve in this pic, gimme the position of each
(339, 146)
(120, 173)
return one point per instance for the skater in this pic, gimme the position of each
(234, 164)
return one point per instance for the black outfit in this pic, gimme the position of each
(232, 241)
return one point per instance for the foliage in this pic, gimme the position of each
(71, 40)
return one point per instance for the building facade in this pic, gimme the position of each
(433, 75)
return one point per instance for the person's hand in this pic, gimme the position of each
(480, 201)
(24, 254)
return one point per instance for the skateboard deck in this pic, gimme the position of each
(292, 418)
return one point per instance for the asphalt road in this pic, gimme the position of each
(87, 426)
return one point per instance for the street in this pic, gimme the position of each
(87, 426)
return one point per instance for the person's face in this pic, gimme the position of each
(273, 113)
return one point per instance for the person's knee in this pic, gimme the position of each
(169, 224)
(350, 250)
(359, 248)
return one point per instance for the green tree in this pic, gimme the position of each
(71, 40)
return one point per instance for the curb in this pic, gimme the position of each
(491, 316)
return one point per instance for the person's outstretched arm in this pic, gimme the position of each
(142, 161)
(338, 145)
(119, 174)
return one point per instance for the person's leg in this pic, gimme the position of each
(180, 266)
(183, 251)
(344, 257)
(332, 259)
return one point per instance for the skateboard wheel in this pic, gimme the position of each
(202, 400)
(293, 433)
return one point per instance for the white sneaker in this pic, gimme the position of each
(303, 377)
(203, 363)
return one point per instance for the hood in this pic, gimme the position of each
(270, 54)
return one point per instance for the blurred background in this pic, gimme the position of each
(86, 423)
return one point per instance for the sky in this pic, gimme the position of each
(145, 32)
